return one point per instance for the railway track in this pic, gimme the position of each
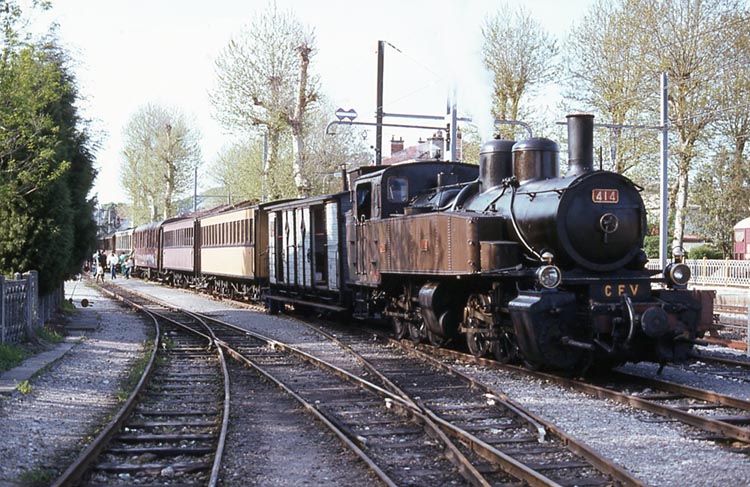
(729, 368)
(404, 441)
(172, 427)
(498, 437)
(721, 418)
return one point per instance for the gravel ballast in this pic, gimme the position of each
(46, 428)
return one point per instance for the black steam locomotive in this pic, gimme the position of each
(508, 256)
(524, 263)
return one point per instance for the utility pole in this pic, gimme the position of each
(664, 188)
(379, 107)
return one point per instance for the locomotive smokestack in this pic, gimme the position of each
(580, 144)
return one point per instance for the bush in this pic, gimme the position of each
(705, 251)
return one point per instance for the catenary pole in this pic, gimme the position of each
(379, 107)
(663, 176)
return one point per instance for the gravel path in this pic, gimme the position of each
(44, 430)
(660, 453)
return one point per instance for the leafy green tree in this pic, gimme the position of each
(624, 43)
(604, 56)
(239, 168)
(723, 196)
(161, 152)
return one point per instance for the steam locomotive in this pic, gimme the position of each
(509, 256)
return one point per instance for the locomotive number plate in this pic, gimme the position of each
(605, 195)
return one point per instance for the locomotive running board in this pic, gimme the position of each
(312, 304)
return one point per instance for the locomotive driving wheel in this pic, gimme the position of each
(477, 324)
(504, 348)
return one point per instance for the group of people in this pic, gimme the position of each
(102, 261)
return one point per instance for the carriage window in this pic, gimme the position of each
(398, 189)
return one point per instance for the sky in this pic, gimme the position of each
(127, 54)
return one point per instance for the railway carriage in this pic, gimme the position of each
(123, 242)
(147, 250)
(233, 251)
(180, 259)
(306, 253)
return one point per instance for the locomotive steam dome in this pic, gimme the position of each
(535, 158)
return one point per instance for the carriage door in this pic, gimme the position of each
(319, 251)
(364, 212)
(278, 235)
(332, 245)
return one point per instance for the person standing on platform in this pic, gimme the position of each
(129, 266)
(112, 260)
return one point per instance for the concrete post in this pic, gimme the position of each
(28, 305)
(2, 309)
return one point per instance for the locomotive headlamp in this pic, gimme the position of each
(678, 274)
(549, 276)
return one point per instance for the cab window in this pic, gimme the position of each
(364, 201)
(398, 189)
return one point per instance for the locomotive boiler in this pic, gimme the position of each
(522, 262)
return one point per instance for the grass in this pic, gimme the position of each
(49, 335)
(25, 387)
(67, 307)
(11, 356)
(135, 373)
(38, 476)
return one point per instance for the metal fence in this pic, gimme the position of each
(22, 310)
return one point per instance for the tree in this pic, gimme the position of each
(690, 45)
(46, 168)
(264, 85)
(629, 41)
(604, 55)
(724, 199)
(519, 53)
(329, 154)
(160, 154)
(239, 168)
